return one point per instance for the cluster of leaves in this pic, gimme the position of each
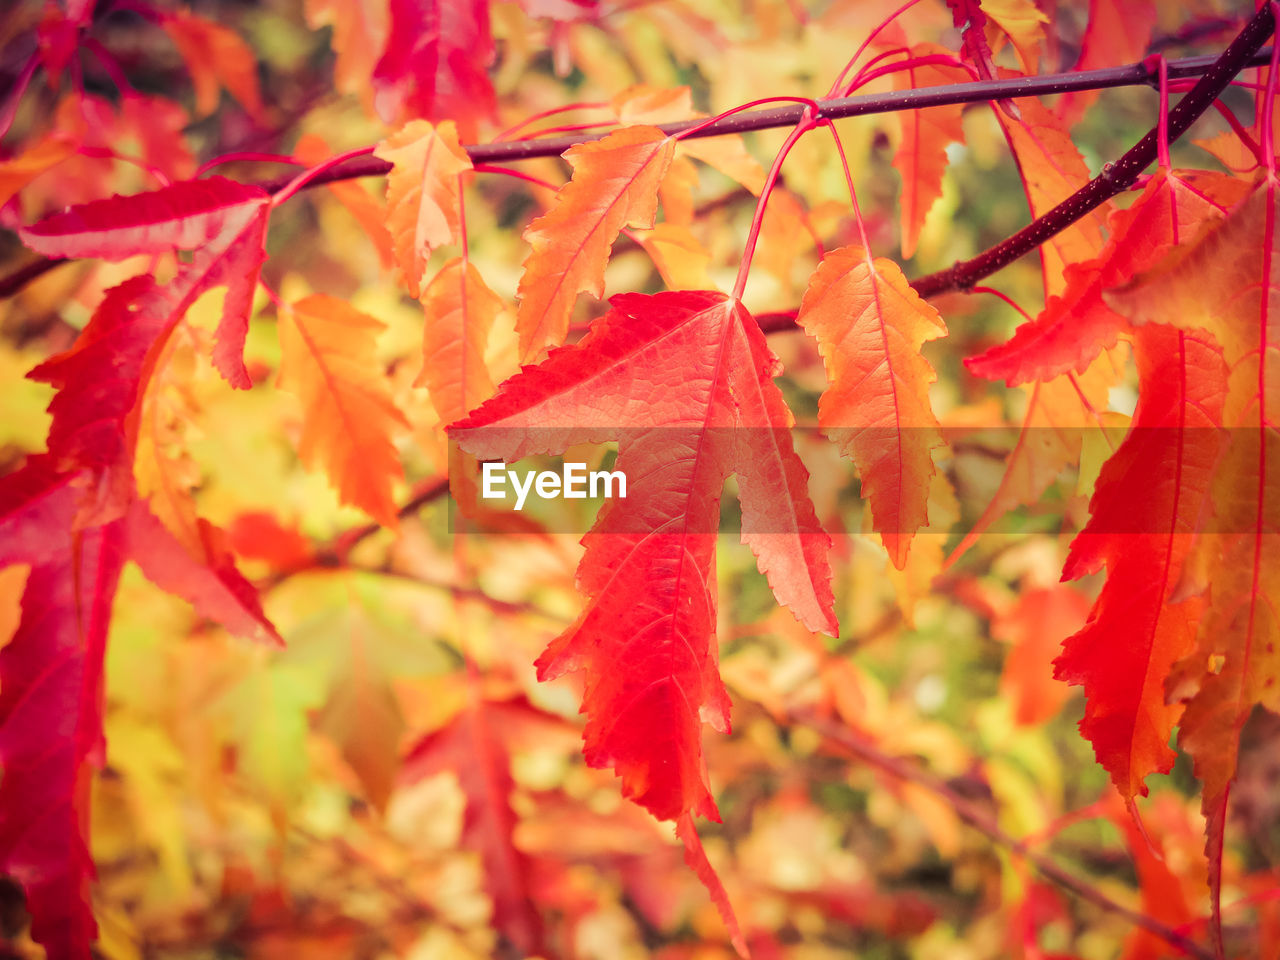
(382, 767)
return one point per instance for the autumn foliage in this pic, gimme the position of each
(937, 619)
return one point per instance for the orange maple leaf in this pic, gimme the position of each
(423, 200)
(460, 311)
(348, 419)
(870, 325)
(615, 184)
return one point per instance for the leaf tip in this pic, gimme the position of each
(696, 857)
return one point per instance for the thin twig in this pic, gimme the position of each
(903, 769)
(1243, 52)
(1115, 177)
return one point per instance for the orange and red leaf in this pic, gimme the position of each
(614, 185)
(870, 326)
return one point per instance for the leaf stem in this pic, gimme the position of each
(807, 123)
(836, 86)
(314, 173)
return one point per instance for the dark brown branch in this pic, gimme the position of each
(1243, 52)
(1115, 177)
(25, 274)
(1133, 74)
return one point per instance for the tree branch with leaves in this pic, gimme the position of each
(273, 414)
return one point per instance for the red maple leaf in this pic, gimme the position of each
(646, 636)
(436, 61)
(224, 222)
(51, 699)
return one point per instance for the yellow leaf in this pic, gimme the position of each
(677, 190)
(423, 200)
(729, 156)
(328, 362)
(1022, 22)
(784, 234)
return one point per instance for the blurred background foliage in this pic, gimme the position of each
(344, 797)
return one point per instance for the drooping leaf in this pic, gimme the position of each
(646, 637)
(971, 20)
(459, 311)
(676, 191)
(1228, 280)
(423, 202)
(224, 222)
(786, 234)
(870, 326)
(435, 65)
(328, 362)
(216, 57)
(1075, 327)
(51, 700)
(921, 158)
(681, 260)
(615, 184)
(1022, 21)
(1145, 510)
